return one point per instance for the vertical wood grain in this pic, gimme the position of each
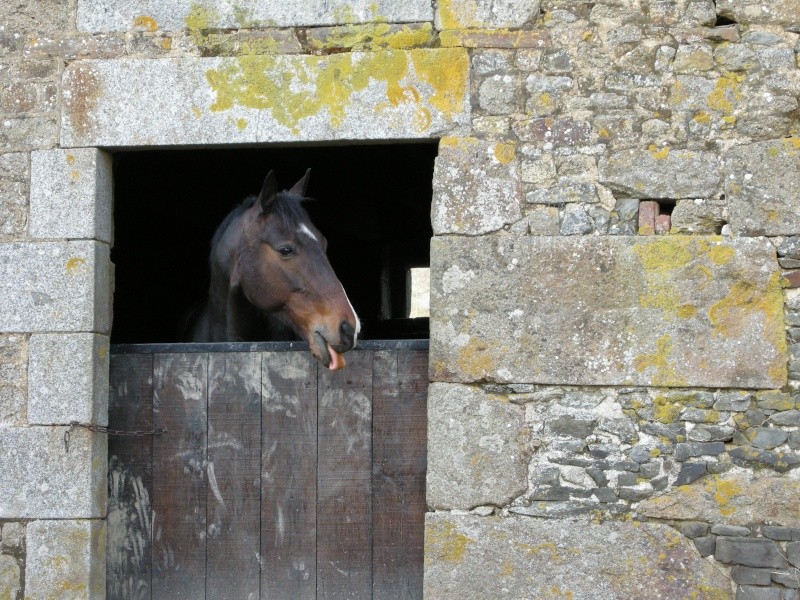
(179, 478)
(344, 520)
(289, 476)
(233, 476)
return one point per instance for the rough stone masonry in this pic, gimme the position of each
(615, 338)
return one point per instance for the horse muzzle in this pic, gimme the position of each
(331, 355)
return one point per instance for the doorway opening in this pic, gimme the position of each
(372, 202)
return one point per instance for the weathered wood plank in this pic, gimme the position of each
(179, 479)
(289, 476)
(130, 479)
(344, 509)
(399, 426)
(234, 483)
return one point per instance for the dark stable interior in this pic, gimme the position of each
(372, 202)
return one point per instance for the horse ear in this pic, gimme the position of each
(300, 188)
(268, 191)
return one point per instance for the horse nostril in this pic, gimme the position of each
(347, 332)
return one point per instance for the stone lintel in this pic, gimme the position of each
(394, 94)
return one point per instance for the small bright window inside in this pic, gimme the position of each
(420, 293)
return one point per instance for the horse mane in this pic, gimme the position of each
(286, 208)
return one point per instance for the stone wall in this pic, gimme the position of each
(615, 338)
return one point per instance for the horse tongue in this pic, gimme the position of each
(337, 360)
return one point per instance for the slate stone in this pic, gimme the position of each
(690, 472)
(789, 418)
(749, 592)
(750, 552)
(730, 530)
(793, 553)
(684, 451)
(661, 173)
(626, 479)
(760, 203)
(750, 576)
(605, 495)
(576, 330)
(571, 426)
(789, 579)
(767, 437)
(118, 15)
(476, 449)
(755, 457)
(733, 401)
(203, 101)
(790, 247)
(705, 545)
(692, 529)
(776, 532)
(635, 494)
(711, 433)
(640, 454)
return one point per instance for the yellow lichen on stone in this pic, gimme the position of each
(458, 14)
(376, 36)
(505, 152)
(725, 94)
(665, 373)
(658, 154)
(145, 22)
(746, 300)
(444, 543)
(295, 88)
(475, 362)
(720, 255)
(666, 409)
(702, 117)
(723, 492)
(74, 263)
(663, 256)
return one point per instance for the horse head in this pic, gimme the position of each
(283, 270)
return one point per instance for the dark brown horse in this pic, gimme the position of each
(271, 279)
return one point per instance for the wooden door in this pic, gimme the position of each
(274, 479)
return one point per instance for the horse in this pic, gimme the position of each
(271, 279)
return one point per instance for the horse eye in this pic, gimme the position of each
(286, 251)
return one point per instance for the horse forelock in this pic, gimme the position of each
(287, 212)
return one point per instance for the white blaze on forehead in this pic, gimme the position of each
(305, 230)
